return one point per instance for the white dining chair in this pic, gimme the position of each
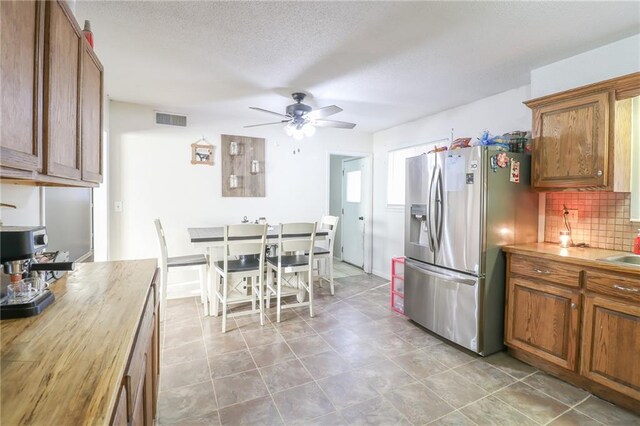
(189, 261)
(324, 253)
(290, 264)
(243, 262)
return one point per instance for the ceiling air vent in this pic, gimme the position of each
(171, 119)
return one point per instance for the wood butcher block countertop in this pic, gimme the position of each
(587, 256)
(65, 366)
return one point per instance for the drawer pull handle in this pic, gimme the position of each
(628, 289)
(574, 306)
(539, 271)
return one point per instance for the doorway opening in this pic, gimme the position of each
(350, 198)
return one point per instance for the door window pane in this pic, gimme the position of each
(354, 186)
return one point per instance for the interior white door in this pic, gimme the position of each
(353, 210)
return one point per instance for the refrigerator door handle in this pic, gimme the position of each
(440, 205)
(430, 212)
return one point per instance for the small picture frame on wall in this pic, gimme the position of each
(202, 152)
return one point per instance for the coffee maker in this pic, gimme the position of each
(24, 292)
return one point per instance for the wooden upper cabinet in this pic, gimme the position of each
(543, 320)
(91, 116)
(21, 31)
(611, 344)
(570, 141)
(63, 51)
(582, 137)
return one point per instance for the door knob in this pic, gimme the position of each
(361, 218)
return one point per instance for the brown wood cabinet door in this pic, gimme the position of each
(570, 143)
(543, 320)
(155, 358)
(61, 92)
(148, 388)
(91, 116)
(611, 344)
(22, 35)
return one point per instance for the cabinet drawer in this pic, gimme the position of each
(624, 287)
(553, 272)
(136, 369)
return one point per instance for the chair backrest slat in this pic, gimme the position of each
(295, 237)
(330, 223)
(245, 239)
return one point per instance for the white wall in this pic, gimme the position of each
(27, 201)
(151, 173)
(501, 113)
(613, 60)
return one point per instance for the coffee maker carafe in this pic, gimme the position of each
(25, 293)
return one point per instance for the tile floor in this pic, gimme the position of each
(355, 362)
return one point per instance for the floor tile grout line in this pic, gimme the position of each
(262, 377)
(351, 368)
(494, 394)
(570, 406)
(457, 410)
(206, 351)
(309, 373)
(347, 303)
(574, 407)
(426, 387)
(162, 349)
(312, 377)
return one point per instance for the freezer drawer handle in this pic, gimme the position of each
(539, 271)
(449, 277)
(628, 289)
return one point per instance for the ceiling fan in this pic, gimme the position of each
(302, 120)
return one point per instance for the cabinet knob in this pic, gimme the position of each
(574, 306)
(599, 173)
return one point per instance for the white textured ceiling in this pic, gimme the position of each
(384, 63)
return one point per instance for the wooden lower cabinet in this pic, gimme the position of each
(588, 334)
(611, 344)
(543, 320)
(138, 398)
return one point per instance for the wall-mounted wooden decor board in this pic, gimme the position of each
(238, 178)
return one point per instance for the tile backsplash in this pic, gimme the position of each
(603, 219)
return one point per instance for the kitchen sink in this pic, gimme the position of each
(629, 259)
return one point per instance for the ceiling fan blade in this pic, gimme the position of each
(268, 124)
(333, 123)
(269, 112)
(324, 112)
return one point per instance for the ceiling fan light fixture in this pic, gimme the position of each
(302, 120)
(288, 129)
(298, 134)
(309, 130)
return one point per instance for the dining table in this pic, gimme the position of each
(212, 238)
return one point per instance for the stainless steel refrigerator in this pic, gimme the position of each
(462, 206)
